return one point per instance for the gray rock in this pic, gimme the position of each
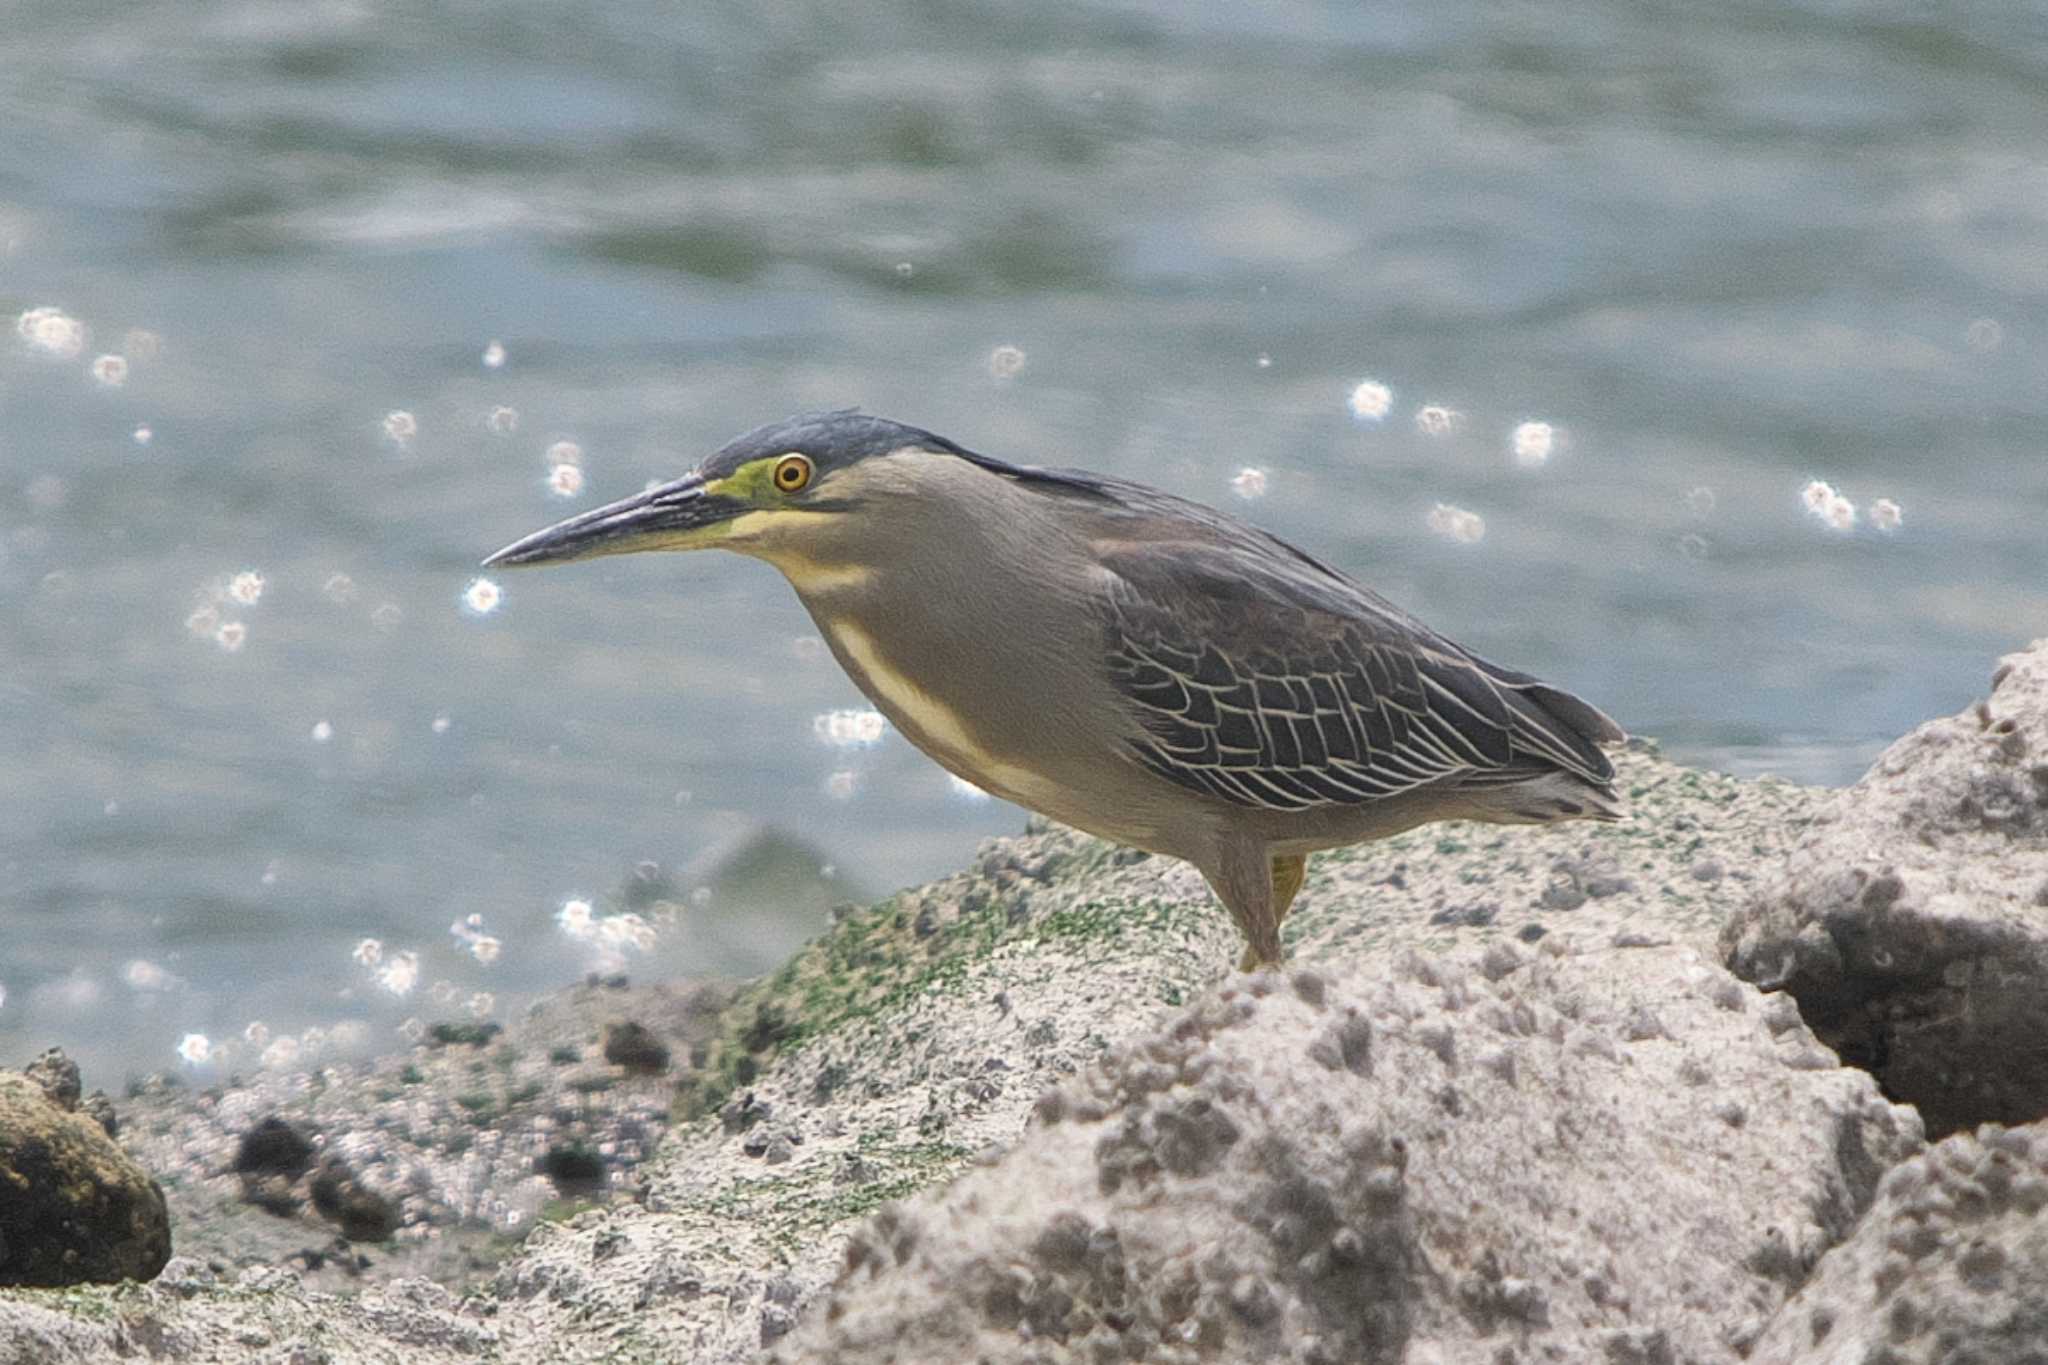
(1948, 1266)
(73, 1206)
(910, 1042)
(1907, 923)
(57, 1076)
(99, 1107)
(1281, 1173)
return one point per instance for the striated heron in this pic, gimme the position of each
(1142, 667)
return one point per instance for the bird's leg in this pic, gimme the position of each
(1290, 870)
(1285, 874)
(1243, 879)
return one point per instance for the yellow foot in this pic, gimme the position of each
(1253, 959)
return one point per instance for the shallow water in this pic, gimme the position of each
(1731, 248)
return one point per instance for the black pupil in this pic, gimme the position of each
(792, 473)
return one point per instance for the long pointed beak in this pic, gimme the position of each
(671, 516)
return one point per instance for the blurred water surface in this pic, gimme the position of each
(1724, 250)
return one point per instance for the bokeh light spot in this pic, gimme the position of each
(1371, 401)
(1455, 523)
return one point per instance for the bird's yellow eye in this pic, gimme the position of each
(792, 473)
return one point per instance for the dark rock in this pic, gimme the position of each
(73, 1206)
(469, 1034)
(341, 1198)
(273, 1147)
(571, 1164)
(99, 1107)
(635, 1048)
(57, 1075)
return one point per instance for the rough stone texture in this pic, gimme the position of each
(1422, 1163)
(449, 1136)
(191, 1314)
(887, 1056)
(57, 1076)
(1950, 1265)
(73, 1206)
(1911, 921)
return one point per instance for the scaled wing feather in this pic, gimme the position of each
(1273, 682)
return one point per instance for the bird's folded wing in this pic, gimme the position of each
(1269, 680)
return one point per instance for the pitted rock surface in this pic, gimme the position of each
(1911, 920)
(1420, 1160)
(1949, 1266)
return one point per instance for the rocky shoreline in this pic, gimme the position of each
(1654, 1092)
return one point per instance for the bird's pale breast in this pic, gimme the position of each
(932, 725)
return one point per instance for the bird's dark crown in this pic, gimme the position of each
(832, 440)
(846, 436)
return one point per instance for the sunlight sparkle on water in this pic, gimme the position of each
(504, 419)
(256, 1033)
(1533, 443)
(625, 931)
(368, 952)
(400, 974)
(565, 481)
(110, 370)
(52, 331)
(1006, 362)
(231, 636)
(565, 452)
(282, 1053)
(1827, 506)
(1984, 334)
(576, 919)
(850, 729)
(194, 1049)
(1700, 501)
(143, 436)
(322, 731)
(339, 589)
(482, 596)
(1455, 523)
(144, 975)
(1249, 483)
(1371, 401)
(839, 786)
(1887, 515)
(401, 426)
(246, 587)
(494, 355)
(1437, 420)
(469, 931)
